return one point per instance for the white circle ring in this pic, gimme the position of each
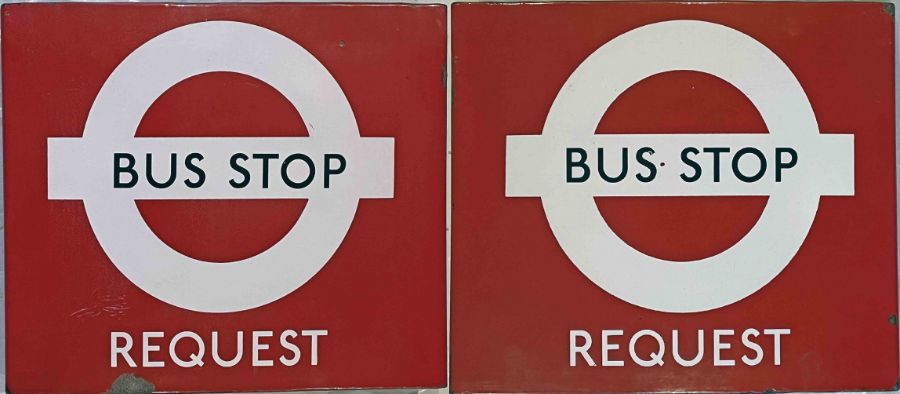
(765, 250)
(143, 76)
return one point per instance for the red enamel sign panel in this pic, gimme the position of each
(673, 197)
(224, 197)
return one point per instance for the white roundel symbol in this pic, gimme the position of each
(536, 166)
(80, 168)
